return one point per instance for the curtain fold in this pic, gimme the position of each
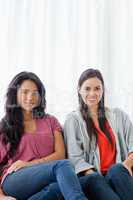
(58, 39)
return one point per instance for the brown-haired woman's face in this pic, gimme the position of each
(91, 92)
(28, 95)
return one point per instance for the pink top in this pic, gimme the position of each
(34, 145)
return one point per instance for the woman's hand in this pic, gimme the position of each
(7, 198)
(128, 165)
(89, 171)
(17, 165)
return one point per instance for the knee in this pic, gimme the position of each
(116, 169)
(64, 165)
(65, 162)
(116, 173)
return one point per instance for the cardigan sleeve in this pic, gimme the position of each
(74, 145)
(125, 129)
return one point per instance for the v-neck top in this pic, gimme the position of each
(34, 145)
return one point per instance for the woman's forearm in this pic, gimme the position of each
(20, 163)
(1, 192)
(53, 156)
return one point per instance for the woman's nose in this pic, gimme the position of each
(30, 96)
(92, 93)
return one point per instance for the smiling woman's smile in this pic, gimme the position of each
(28, 95)
(91, 92)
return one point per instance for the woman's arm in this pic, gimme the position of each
(3, 152)
(126, 136)
(59, 153)
(125, 131)
(1, 192)
(75, 145)
(128, 163)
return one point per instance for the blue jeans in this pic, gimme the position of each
(94, 186)
(116, 185)
(121, 181)
(29, 180)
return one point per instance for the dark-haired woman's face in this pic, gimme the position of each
(91, 92)
(28, 95)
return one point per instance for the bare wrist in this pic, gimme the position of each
(1, 192)
(89, 171)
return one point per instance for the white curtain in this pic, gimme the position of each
(58, 39)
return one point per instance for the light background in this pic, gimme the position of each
(58, 39)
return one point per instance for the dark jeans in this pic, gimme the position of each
(30, 180)
(121, 181)
(116, 185)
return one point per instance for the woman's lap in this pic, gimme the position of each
(29, 180)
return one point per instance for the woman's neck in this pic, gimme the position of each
(94, 116)
(29, 123)
(93, 112)
(28, 116)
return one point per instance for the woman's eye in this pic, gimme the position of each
(97, 88)
(87, 89)
(35, 93)
(24, 92)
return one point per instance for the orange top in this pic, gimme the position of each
(107, 150)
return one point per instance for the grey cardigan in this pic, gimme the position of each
(77, 140)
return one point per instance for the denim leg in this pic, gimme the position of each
(95, 186)
(69, 183)
(121, 181)
(30, 180)
(52, 191)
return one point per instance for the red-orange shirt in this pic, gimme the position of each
(107, 150)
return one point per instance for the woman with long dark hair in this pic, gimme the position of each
(31, 145)
(99, 141)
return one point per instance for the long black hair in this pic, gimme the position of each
(92, 131)
(12, 124)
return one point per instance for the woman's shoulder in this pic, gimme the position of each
(74, 117)
(117, 112)
(76, 114)
(52, 120)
